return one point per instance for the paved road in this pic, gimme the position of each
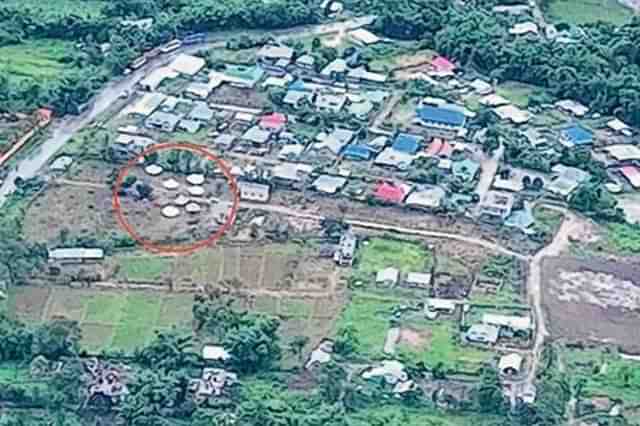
(63, 130)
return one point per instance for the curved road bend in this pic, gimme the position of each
(63, 130)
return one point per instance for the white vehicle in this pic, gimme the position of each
(171, 46)
(138, 63)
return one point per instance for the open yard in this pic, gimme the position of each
(588, 11)
(380, 253)
(38, 60)
(606, 373)
(114, 320)
(59, 7)
(438, 342)
(592, 301)
(518, 93)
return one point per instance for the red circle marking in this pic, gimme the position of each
(172, 248)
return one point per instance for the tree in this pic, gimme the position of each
(593, 200)
(144, 191)
(168, 352)
(346, 342)
(297, 345)
(488, 396)
(129, 181)
(18, 257)
(56, 339)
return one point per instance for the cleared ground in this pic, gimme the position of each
(592, 301)
(36, 60)
(114, 320)
(588, 11)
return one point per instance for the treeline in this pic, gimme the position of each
(91, 68)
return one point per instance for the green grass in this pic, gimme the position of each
(369, 317)
(141, 268)
(397, 415)
(105, 308)
(39, 60)
(622, 238)
(548, 220)
(443, 346)
(11, 372)
(380, 253)
(579, 12)
(57, 8)
(517, 93)
(620, 379)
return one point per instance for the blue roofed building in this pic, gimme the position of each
(407, 143)
(576, 136)
(442, 122)
(358, 152)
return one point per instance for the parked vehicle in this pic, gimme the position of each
(173, 45)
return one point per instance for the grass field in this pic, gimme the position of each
(379, 253)
(141, 267)
(59, 7)
(518, 93)
(441, 345)
(39, 60)
(369, 316)
(606, 374)
(396, 415)
(109, 320)
(588, 11)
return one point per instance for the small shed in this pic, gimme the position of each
(388, 276)
(510, 365)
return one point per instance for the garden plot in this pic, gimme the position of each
(500, 281)
(113, 320)
(592, 300)
(247, 98)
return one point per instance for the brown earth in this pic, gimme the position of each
(579, 316)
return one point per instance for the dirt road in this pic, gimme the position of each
(357, 223)
(489, 167)
(572, 225)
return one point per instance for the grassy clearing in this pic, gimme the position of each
(380, 253)
(517, 93)
(442, 345)
(83, 8)
(369, 317)
(579, 12)
(395, 415)
(548, 220)
(39, 60)
(141, 267)
(622, 238)
(606, 374)
(11, 372)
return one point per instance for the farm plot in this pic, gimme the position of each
(499, 282)
(592, 301)
(112, 320)
(606, 373)
(380, 253)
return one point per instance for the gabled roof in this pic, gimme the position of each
(275, 52)
(577, 135)
(329, 184)
(387, 275)
(408, 143)
(442, 64)
(76, 253)
(430, 197)
(441, 116)
(274, 121)
(390, 192)
(187, 64)
(358, 152)
(632, 174)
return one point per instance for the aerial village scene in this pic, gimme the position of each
(328, 214)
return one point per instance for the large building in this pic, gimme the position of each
(441, 122)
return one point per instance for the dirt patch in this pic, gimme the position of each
(248, 98)
(413, 338)
(592, 301)
(30, 302)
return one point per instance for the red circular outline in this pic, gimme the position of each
(170, 248)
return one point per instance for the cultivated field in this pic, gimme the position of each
(38, 60)
(592, 301)
(588, 11)
(114, 320)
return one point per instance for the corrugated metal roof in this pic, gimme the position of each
(443, 116)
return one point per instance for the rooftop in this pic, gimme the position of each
(441, 116)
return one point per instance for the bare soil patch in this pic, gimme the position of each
(592, 301)
(248, 98)
(413, 338)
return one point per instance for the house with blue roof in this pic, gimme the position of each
(407, 143)
(466, 170)
(358, 152)
(441, 121)
(576, 136)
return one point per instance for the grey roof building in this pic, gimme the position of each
(256, 136)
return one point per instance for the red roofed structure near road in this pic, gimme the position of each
(274, 122)
(44, 116)
(390, 193)
(632, 174)
(442, 64)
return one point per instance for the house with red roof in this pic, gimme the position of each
(442, 66)
(632, 175)
(439, 148)
(274, 122)
(390, 192)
